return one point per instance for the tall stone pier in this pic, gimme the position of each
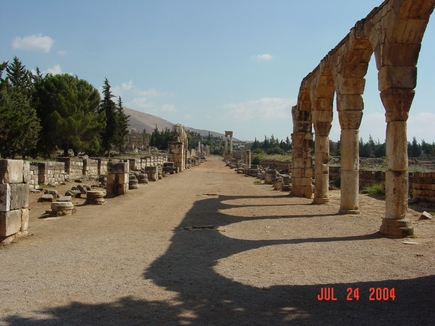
(14, 199)
(177, 155)
(117, 178)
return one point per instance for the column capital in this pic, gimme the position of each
(322, 128)
(350, 119)
(397, 103)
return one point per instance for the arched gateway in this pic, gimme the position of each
(393, 32)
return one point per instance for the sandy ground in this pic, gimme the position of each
(209, 247)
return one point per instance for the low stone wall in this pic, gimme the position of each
(421, 184)
(277, 165)
(51, 173)
(90, 167)
(69, 168)
(146, 161)
(73, 166)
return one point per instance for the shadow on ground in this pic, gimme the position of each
(206, 298)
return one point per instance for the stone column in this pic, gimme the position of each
(321, 176)
(350, 122)
(226, 145)
(248, 158)
(231, 143)
(397, 103)
(302, 168)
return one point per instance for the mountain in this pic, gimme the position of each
(140, 121)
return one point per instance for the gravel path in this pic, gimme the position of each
(209, 247)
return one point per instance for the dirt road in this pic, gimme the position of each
(209, 247)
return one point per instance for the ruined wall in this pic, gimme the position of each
(391, 34)
(275, 164)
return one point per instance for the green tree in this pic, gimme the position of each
(108, 107)
(68, 109)
(414, 149)
(121, 126)
(19, 124)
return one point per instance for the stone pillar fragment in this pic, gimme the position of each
(177, 154)
(117, 178)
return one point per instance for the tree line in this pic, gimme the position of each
(373, 148)
(272, 145)
(40, 115)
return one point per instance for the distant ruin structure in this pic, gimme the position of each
(228, 134)
(393, 32)
(178, 148)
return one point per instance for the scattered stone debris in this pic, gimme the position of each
(95, 198)
(62, 208)
(426, 216)
(198, 227)
(410, 242)
(46, 197)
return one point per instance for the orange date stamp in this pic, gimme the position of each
(354, 294)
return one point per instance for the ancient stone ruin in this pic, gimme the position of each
(14, 199)
(393, 32)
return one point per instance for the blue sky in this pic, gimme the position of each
(208, 64)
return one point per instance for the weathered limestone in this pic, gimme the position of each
(95, 197)
(230, 135)
(176, 155)
(397, 103)
(62, 208)
(152, 173)
(393, 32)
(349, 122)
(14, 199)
(133, 183)
(178, 148)
(117, 179)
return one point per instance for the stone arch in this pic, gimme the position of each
(393, 32)
(397, 47)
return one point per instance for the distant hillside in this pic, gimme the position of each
(140, 121)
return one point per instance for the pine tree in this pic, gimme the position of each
(68, 109)
(108, 107)
(121, 126)
(19, 124)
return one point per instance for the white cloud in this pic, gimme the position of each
(262, 57)
(168, 108)
(140, 103)
(265, 108)
(55, 70)
(129, 89)
(127, 86)
(63, 52)
(33, 43)
(421, 125)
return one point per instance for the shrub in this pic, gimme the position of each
(376, 189)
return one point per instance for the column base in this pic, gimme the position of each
(349, 212)
(320, 200)
(398, 228)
